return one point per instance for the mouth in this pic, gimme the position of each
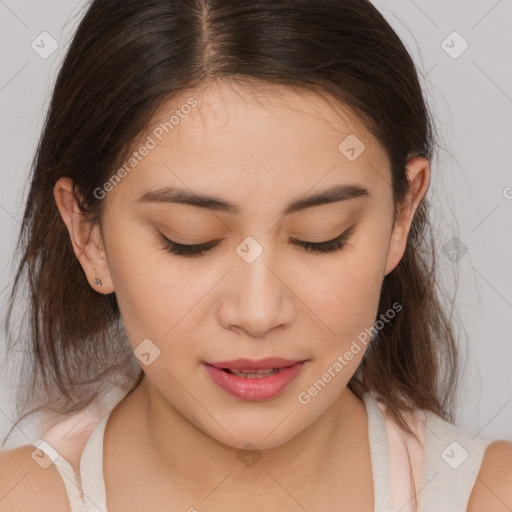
(255, 365)
(257, 374)
(254, 380)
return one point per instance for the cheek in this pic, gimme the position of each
(347, 308)
(164, 299)
(344, 291)
(153, 291)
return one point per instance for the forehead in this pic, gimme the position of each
(242, 143)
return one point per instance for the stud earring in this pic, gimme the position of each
(97, 282)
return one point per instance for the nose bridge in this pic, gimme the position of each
(261, 298)
(257, 280)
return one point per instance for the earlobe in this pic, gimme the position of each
(418, 173)
(86, 238)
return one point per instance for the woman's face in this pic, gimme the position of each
(256, 293)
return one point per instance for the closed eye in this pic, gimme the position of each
(193, 251)
(326, 247)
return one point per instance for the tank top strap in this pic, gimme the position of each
(86, 490)
(65, 470)
(406, 457)
(91, 470)
(452, 462)
(379, 452)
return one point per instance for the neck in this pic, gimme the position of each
(177, 448)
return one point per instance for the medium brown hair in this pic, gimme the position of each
(129, 57)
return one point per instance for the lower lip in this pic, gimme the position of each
(253, 389)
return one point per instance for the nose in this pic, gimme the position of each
(258, 298)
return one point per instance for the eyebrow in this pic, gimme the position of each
(335, 194)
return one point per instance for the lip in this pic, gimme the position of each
(256, 389)
(253, 364)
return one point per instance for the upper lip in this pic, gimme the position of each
(253, 364)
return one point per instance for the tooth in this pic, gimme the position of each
(269, 370)
(255, 375)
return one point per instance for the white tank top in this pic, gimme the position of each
(444, 464)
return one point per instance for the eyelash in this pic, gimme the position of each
(191, 251)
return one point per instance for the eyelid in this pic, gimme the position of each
(347, 232)
(342, 235)
(204, 244)
(339, 240)
(198, 250)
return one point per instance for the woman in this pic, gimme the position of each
(226, 228)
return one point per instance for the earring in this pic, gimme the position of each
(97, 282)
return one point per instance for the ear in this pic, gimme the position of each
(86, 238)
(418, 173)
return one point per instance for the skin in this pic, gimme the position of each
(185, 433)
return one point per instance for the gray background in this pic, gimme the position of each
(471, 189)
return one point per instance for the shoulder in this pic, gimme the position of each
(493, 485)
(27, 485)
